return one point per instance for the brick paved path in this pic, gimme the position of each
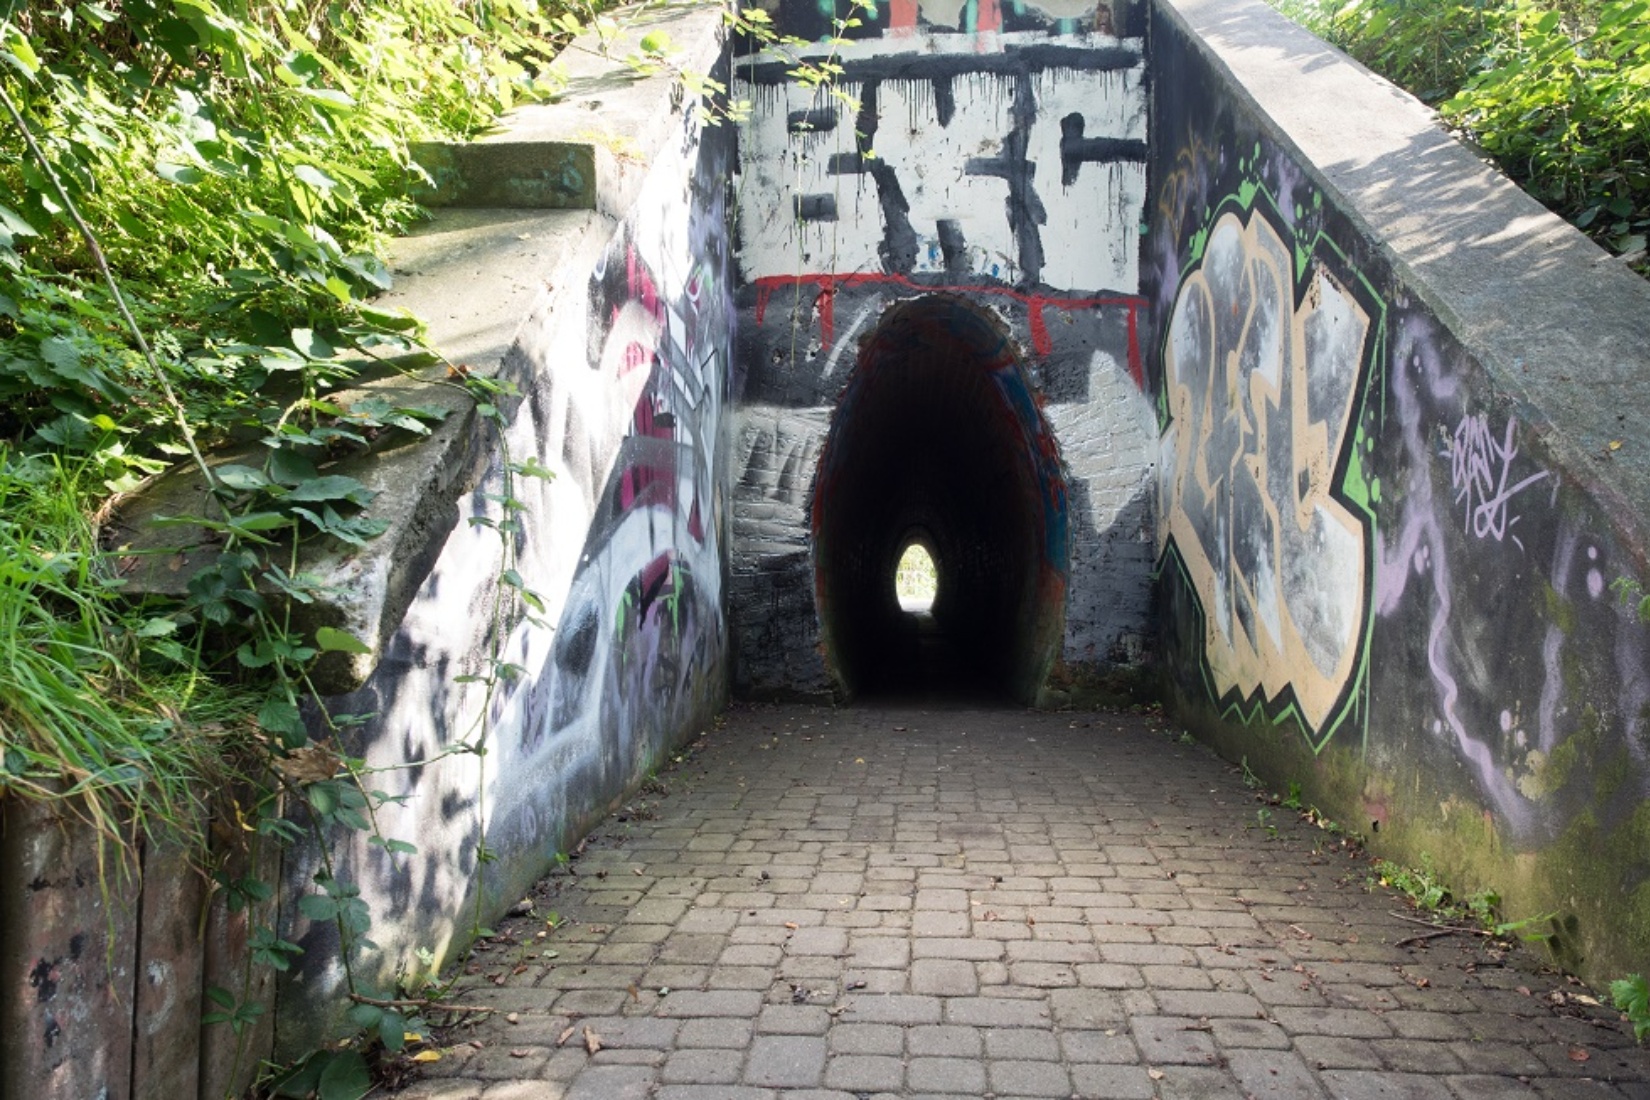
(900, 903)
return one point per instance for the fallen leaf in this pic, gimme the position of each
(521, 1052)
(1524, 989)
(1579, 1054)
(792, 925)
(307, 764)
(635, 994)
(1155, 1074)
(427, 1056)
(513, 1018)
(592, 1041)
(1615, 444)
(859, 759)
(565, 1035)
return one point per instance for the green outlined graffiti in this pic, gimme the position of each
(1268, 519)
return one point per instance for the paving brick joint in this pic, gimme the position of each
(832, 904)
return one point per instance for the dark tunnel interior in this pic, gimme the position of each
(937, 440)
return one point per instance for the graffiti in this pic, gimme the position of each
(1260, 385)
(1480, 466)
(1023, 167)
(1035, 306)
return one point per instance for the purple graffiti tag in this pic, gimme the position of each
(1480, 466)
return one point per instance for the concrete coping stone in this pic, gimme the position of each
(1561, 327)
(590, 149)
(475, 276)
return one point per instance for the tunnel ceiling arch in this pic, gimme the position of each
(937, 431)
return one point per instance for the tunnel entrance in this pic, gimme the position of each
(937, 442)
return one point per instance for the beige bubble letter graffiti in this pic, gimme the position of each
(1260, 395)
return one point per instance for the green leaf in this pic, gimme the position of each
(290, 468)
(181, 174)
(318, 906)
(392, 1031)
(329, 98)
(345, 1078)
(19, 54)
(258, 521)
(310, 345)
(13, 226)
(315, 177)
(338, 641)
(280, 359)
(279, 715)
(364, 1016)
(242, 479)
(332, 487)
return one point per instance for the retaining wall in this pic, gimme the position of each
(1399, 473)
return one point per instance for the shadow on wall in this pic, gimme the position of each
(937, 434)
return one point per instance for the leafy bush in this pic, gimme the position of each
(1556, 91)
(238, 162)
(192, 196)
(97, 700)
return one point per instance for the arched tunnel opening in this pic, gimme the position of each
(937, 441)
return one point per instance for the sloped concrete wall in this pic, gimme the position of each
(623, 362)
(1400, 470)
(990, 153)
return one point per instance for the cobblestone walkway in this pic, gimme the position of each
(900, 903)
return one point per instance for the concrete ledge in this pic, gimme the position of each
(474, 276)
(591, 148)
(1563, 329)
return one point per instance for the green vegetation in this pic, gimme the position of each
(193, 194)
(1632, 995)
(192, 197)
(98, 701)
(1557, 92)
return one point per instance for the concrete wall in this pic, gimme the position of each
(623, 362)
(988, 153)
(1398, 477)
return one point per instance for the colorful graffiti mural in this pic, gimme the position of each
(1386, 573)
(1263, 364)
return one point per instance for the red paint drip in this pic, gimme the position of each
(1136, 371)
(825, 306)
(1041, 342)
(902, 17)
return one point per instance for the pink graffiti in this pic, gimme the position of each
(1480, 466)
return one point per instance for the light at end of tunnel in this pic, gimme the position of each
(915, 580)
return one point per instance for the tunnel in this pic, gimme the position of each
(937, 441)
